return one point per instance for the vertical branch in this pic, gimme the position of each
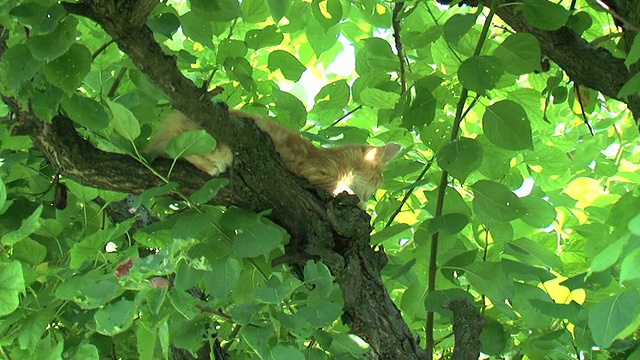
(397, 10)
(442, 189)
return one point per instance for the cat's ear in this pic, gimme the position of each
(388, 152)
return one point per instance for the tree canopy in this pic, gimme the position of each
(509, 226)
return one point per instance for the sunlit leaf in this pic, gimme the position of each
(496, 201)
(124, 122)
(505, 124)
(519, 53)
(544, 14)
(460, 157)
(614, 317)
(480, 73)
(291, 67)
(458, 25)
(11, 285)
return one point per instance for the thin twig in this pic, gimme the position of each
(409, 192)
(442, 189)
(627, 24)
(102, 48)
(397, 10)
(576, 87)
(116, 83)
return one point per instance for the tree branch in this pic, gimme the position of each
(585, 63)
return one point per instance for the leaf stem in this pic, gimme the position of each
(442, 189)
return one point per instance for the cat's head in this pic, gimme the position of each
(360, 168)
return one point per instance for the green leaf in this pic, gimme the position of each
(258, 240)
(460, 157)
(184, 303)
(631, 87)
(630, 267)
(166, 23)
(375, 56)
(610, 255)
(18, 66)
(115, 318)
(29, 251)
(276, 291)
(489, 279)
(480, 73)
(3, 195)
(326, 12)
(38, 18)
(438, 300)
(334, 95)
(27, 227)
(493, 337)
(458, 25)
(33, 327)
(633, 225)
(49, 348)
(319, 314)
(614, 317)
(87, 352)
(230, 49)
(240, 70)
(54, 44)
(288, 64)
(284, 352)
(505, 124)
(197, 142)
(223, 278)
(278, 8)
(85, 111)
(421, 110)
(83, 193)
(255, 11)
(545, 14)
(197, 29)
(209, 190)
(318, 274)
(449, 224)
(519, 53)
(538, 212)
(11, 285)
(259, 38)
(533, 253)
(69, 70)
(319, 38)
(124, 122)
(146, 342)
(451, 269)
(216, 10)
(89, 247)
(154, 192)
(238, 219)
(496, 201)
(379, 99)
(290, 111)
(634, 53)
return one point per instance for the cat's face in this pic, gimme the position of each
(361, 168)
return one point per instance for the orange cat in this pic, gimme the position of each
(356, 169)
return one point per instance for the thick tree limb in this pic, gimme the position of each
(585, 63)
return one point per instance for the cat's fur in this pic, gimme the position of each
(356, 169)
